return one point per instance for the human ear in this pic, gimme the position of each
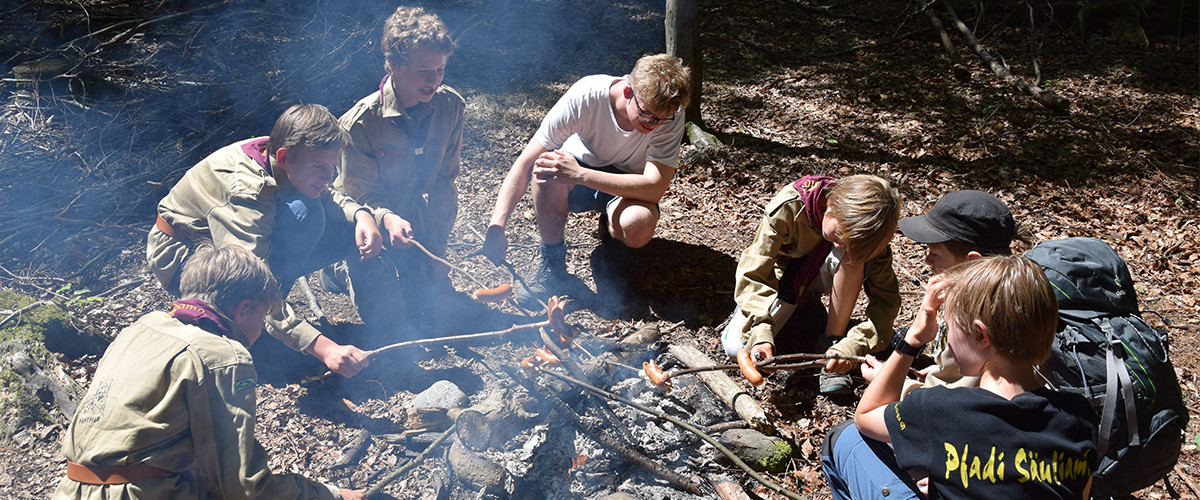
(984, 340)
(281, 158)
(243, 309)
(628, 91)
(972, 255)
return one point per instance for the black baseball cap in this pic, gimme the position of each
(972, 217)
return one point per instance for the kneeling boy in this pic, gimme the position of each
(170, 412)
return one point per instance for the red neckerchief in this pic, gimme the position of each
(812, 188)
(199, 313)
(257, 151)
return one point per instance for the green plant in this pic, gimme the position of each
(80, 298)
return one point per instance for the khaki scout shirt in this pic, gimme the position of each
(406, 164)
(229, 199)
(179, 398)
(784, 234)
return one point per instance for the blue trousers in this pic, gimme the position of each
(857, 467)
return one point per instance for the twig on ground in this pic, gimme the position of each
(312, 300)
(391, 476)
(22, 310)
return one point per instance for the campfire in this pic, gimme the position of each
(583, 416)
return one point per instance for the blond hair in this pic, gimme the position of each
(308, 125)
(867, 209)
(224, 277)
(412, 28)
(661, 82)
(1011, 296)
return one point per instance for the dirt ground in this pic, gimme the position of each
(860, 87)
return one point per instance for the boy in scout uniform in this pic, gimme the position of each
(403, 158)
(170, 412)
(269, 195)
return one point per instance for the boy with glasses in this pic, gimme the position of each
(610, 143)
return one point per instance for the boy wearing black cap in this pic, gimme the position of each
(962, 226)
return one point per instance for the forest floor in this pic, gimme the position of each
(790, 90)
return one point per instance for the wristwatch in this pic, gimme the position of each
(903, 347)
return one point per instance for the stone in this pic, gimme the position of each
(759, 451)
(475, 471)
(443, 395)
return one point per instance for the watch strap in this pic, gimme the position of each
(903, 347)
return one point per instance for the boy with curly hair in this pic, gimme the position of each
(404, 156)
(820, 235)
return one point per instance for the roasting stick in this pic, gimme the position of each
(476, 281)
(441, 340)
(682, 424)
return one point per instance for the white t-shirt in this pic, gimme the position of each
(582, 123)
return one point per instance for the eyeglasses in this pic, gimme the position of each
(648, 118)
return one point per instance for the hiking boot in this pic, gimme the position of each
(335, 278)
(835, 383)
(551, 278)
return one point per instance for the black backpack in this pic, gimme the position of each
(1106, 352)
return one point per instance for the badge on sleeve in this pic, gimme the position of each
(243, 384)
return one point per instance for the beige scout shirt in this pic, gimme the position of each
(179, 398)
(229, 199)
(396, 160)
(784, 234)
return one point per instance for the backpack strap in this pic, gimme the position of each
(1118, 379)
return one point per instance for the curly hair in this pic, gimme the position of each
(412, 28)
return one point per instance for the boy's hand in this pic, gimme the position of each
(762, 351)
(351, 494)
(495, 244)
(554, 165)
(837, 365)
(870, 368)
(344, 360)
(924, 372)
(367, 236)
(399, 230)
(924, 327)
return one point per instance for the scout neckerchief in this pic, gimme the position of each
(257, 151)
(812, 188)
(416, 136)
(199, 313)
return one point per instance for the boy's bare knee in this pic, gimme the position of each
(637, 236)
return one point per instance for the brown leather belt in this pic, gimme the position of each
(114, 475)
(165, 227)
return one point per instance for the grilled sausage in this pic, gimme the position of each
(746, 363)
(486, 295)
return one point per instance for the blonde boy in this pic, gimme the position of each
(1008, 438)
(820, 235)
(610, 144)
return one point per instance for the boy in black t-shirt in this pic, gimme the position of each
(1008, 438)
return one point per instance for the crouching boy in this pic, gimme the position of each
(1008, 438)
(269, 195)
(963, 225)
(170, 412)
(820, 235)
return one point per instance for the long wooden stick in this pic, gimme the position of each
(470, 276)
(440, 340)
(391, 476)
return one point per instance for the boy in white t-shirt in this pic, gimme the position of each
(610, 143)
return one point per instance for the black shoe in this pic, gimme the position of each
(335, 278)
(539, 287)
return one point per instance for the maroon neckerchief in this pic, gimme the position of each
(812, 188)
(257, 151)
(199, 313)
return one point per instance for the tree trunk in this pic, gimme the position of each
(683, 41)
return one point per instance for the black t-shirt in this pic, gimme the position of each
(974, 443)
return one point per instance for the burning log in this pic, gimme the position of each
(724, 387)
